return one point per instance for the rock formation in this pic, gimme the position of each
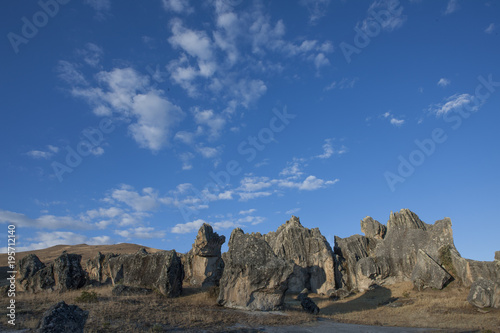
(307, 304)
(408, 249)
(122, 290)
(484, 293)
(65, 273)
(254, 277)
(62, 318)
(161, 271)
(310, 251)
(97, 268)
(427, 273)
(203, 264)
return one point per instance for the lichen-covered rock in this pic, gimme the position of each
(203, 265)
(427, 273)
(96, 268)
(310, 251)
(161, 271)
(27, 268)
(482, 293)
(254, 277)
(68, 272)
(63, 318)
(373, 228)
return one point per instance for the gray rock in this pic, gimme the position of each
(63, 318)
(68, 272)
(310, 251)
(27, 269)
(373, 228)
(122, 290)
(308, 304)
(349, 251)
(96, 268)
(203, 265)
(427, 273)
(339, 294)
(161, 271)
(482, 293)
(254, 277)
(497, 255)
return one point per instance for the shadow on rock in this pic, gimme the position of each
(371, 299)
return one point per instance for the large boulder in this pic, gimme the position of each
(310, 251)
(27, 269)
(307, 304)
(484, 293)
(63, 318)
(161, 271)
(254, 277)
(427, 273)
(97, 268)
(497, 256)
(203, 265)
(68, 272)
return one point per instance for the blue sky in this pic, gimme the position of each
(128, 121)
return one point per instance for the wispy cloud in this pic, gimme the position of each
(43, 154)
(490, 28)
(345, 83)
(141, 233)
(316, 8)
(443, 82)
(393, 120)
(451, 7)
(48, 239)
(454, 102)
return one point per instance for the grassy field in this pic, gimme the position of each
(394, 305)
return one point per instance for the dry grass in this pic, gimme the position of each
(195, 310)
(401, 305)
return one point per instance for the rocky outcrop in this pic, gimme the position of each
(61, 318)
(373, 228)
(484, 293)
(427, 273)
(161, 271)
(203, 265)
(254, 277)
(311, 253)
(497, 256)
(68, 272)
(65, 273)
(122, 290)
(468, 271)
(97, 268)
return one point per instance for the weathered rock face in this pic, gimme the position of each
(65, 273)
(484, 293)
(427, 273)
(373, 228)
(61, 318)
(467, 271)
(310, 251)
(97, 268)
(68, 272)
(161, 270)
(203, 264)
(254, 277)
(497, 255)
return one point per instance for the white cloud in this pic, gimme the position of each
(321, 60)
(394, 21)
(186, 159)
(454, 102)
(293, 169)
(208, 118)
(146, 202)
(208, 152)
(141, 232)
(345, 83)
(309, 184)
(490, 28)
(443, 82)
(328, 150)
(293, 211)
(110, 212)
(92, 54)
(129, 94)
(247, 212)
(177, 6)
(451, 7)
(44, 221)
(47, 239)
(69, 73)
(184, 228)
(244, 196)
(43, 154)
(397, 122)
(316, 8)
(254, 184)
